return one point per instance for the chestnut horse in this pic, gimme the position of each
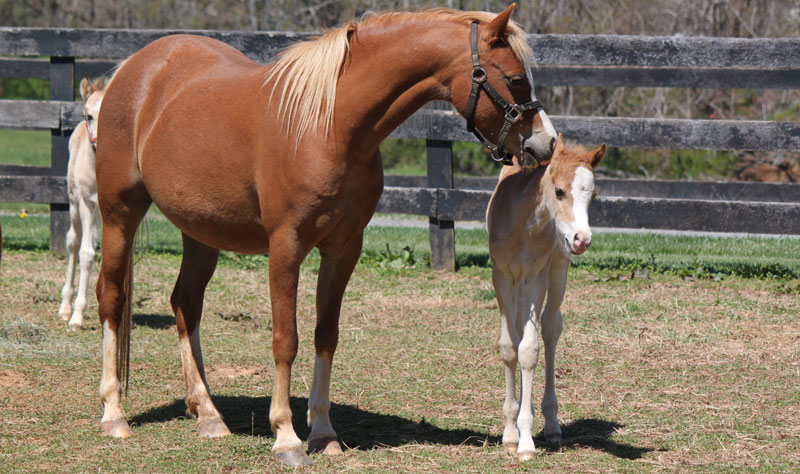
(281, 159)
(536, 220)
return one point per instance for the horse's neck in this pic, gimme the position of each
(392, 72)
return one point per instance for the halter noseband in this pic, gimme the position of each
(513, 112)
(92, 138)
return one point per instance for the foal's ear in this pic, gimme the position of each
(598, 155)
(497, 28)
(86, 87)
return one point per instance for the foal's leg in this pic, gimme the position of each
(87, 210)
(530, 306)
(285, 257)
(73, 241)
(334, 272)
(197, 267)
(509, 343)
(118, 232)
(552, 324)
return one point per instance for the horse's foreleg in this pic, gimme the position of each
(530, 305)
(87, 211)
(509, 344)
(73, 240)
(552, 325)
(334, 272)
(285, 257)
(197, 267)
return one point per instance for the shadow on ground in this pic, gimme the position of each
(364, 430)
(154, 321)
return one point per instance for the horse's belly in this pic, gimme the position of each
(227, 219)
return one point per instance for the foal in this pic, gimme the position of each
(537, 219)
(83, 211)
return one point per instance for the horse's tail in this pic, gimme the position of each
(124, 329)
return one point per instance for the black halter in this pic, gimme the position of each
(513, 112)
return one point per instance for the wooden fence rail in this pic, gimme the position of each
(572, 60)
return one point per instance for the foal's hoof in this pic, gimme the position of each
(74, 326)
(116, 428)
(213, 428)
(526, 455)
(292, 457)
(326, 445)
(64, 315)
(511, 448)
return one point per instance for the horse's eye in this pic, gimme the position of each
(515, 81)
(560, 194)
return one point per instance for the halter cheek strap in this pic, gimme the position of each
(92, 138)
(513, 112)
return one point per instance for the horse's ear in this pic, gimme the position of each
(497, 28)
(559, 141)
(86, 87)
(597, 155)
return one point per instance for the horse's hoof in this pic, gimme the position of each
(74, 326)
(526, 455)
(326, 445)
(116, 428)
(553, 438)
(292, 457)
(511, 448)
(213, 428)
(64, 315)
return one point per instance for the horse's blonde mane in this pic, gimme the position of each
(310, 70)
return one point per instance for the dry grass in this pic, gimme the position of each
(658, 374)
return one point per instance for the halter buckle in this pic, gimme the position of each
(513, 113)
(478, 75)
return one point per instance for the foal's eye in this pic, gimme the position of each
(560, 194)
(89, 118)
(515, 81)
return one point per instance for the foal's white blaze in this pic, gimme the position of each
(577, 234)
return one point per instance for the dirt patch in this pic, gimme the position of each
(12, 379)
(231, 372)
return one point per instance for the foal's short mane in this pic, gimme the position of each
(310, 70)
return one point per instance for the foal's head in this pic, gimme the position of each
(569, 191)
(504, 55)
(92, 93)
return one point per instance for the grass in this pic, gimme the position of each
(653, 374)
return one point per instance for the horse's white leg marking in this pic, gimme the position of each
(73, 238)
(509, 343)
(113, 422)
(552, 325)
(531, 297)
(198, 399)
(87, 210)
(319, 402)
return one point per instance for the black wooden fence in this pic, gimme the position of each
(574, 60)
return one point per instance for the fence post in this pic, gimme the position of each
(62, 87)
(442, 232)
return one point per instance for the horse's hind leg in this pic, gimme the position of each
(121, 217)
(87, 210)
(334, 273)
(197, 267)
(73, 241)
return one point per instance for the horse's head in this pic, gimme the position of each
(493, 90)
(569, 190)
(92, 93)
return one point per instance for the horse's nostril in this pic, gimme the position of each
(552, 144)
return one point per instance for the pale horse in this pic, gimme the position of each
(83, 211)
(537, 219)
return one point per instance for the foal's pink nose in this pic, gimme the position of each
(581, 242)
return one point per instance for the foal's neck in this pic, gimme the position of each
(392, 71)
